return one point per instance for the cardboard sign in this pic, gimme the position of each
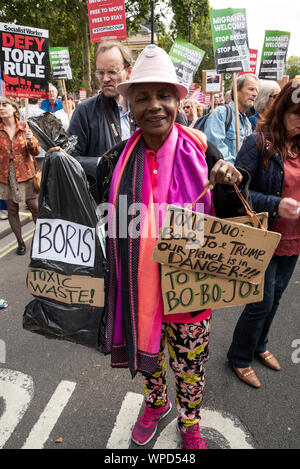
(273, 55)
(107, 20)
(230, 40)
(70, 289)
(212, 82)
(187, 291)
(24, 60)
(193, 241)
(64, 241)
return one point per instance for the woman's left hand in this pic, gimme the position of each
(28, 134)
(224, 172)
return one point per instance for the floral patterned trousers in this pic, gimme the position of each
(188, 350)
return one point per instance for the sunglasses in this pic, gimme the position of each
(186, 107)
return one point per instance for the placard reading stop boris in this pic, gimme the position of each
(24, 60)
(107, 20)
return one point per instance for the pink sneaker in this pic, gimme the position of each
(192, 438)
(146, 426)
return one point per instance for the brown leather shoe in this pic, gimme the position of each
(269, 360)
(247, 375)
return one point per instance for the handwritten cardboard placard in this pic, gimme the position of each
(60, 240)
(70, 289)
(186, 291)
(228, 249)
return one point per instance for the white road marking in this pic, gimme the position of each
(2, 351)
(45, 424)
(17, 390)
(227, 426)
(120, 437)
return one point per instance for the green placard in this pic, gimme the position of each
(186, 58)
(230, 40)
(273, 56)
(60, 63)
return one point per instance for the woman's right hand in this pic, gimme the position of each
(288, 208)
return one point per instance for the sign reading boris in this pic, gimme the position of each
(24, 60)
(215, 246)
(64, 241)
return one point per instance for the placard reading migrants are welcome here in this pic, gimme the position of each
(24, 60)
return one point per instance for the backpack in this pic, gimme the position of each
(200, 123)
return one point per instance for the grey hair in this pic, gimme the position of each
(240, 82)
(266, 88)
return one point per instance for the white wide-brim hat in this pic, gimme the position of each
(153, 65)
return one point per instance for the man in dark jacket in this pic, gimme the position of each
(103, 121)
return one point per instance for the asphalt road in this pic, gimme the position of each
(59, 395)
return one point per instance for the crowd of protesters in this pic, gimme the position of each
(137, 117)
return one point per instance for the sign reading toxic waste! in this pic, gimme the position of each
(70, 289)
(24, 60)
(107, 20)
(215, 246)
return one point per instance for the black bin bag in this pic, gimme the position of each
(67, 270)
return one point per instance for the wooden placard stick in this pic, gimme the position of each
(236, 108)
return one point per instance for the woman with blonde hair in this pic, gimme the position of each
(17, 143)
(190, 109)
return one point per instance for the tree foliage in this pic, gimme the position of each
(67, 22)
(292, 66)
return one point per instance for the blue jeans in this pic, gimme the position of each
(251, 332)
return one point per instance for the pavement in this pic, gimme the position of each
(25, 217)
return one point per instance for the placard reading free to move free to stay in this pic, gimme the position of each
(227, 249)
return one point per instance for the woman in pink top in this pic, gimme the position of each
(161, 163)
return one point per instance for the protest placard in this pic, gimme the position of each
(107, 20)
(193, 241)
(273, 55)
(64, 241)
(212, 82)
(186, 291)
(230, 40)
(60, 63)
(70, 289)
(186, 59)
(253, 62)
(24, 60)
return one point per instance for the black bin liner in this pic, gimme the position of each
(64, 195)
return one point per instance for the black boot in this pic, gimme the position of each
(21, 248)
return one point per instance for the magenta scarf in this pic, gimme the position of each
(135, 307)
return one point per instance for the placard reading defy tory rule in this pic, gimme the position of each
(24, 60)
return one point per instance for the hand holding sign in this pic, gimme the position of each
(224, 172)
